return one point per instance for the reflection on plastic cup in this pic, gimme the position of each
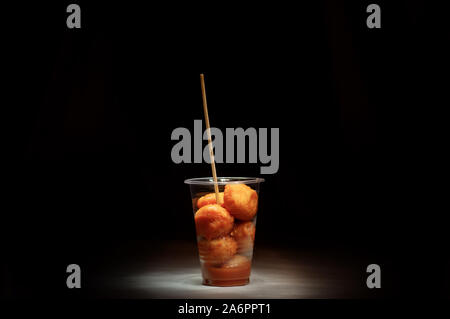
(225, 230)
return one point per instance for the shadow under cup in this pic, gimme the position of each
(225, 231)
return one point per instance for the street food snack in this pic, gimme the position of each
(209, 199)
(219, 241)
(244, 234)
(241, 201)
(225, 230)
(217, 251)
(213, 221)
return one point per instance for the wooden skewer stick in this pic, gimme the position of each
(208, 130)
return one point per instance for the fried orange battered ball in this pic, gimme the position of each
(244, 234)
(241, 201)
(217, 251)
(212, 221)
(209, 199)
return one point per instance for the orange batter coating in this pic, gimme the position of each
(217, 251)
(241, 201)
(244, 234)
(212, 221)
(209, 199)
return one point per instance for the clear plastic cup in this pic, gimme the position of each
(225, 231)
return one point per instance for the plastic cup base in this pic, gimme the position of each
(226, 283)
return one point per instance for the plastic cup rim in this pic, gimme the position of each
(223, 180)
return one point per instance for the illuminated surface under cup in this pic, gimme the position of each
(275, 274)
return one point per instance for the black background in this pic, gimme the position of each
(88, 116)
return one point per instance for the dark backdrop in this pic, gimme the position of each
(88, 116)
